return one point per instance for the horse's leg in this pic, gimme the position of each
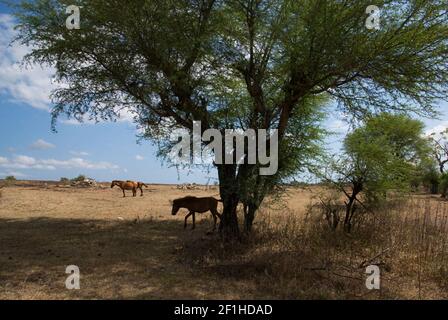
(214, 219)
(124, 194)
(215, 212)
(186, 217)
(194, 222)
(134, 192)
(141, 190)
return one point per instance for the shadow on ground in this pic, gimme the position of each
(125, 259)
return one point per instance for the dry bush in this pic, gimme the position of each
(299, 256)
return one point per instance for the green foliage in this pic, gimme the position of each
(145, 55)
(382, 155)
(386, 151)
(427, 175)
(81, 177)
(444, 184)
(10, 179)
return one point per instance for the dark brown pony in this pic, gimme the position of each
(199, 205)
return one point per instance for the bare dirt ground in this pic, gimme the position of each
(126, 248)
(133, 248)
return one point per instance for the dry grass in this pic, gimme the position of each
(296, 256)
(133, 248)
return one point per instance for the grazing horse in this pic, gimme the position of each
(199, 205)
(126, 185)
(129, 185)
(140, 186)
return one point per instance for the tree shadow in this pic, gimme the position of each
(121, 259)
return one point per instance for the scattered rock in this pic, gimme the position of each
(86, 183)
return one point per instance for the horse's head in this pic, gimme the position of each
(175, 208)
(114, 183)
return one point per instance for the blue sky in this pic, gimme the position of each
(105, 151)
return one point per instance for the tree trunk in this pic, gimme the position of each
(348, 215)
(229, 220)
(228, 226)
(249, 216)
(350, 205)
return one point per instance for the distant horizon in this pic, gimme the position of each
(104, 181)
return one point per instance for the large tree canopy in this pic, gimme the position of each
(240, 64)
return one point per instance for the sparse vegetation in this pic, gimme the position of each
(295, 256)
(79, 178)
(292, 252)
(64, 180)
(9, 180)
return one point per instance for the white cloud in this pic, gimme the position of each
(79, 163)
(139, 157)
(74, 122)
(79, 153)
(26, 162)
(42, 145)
(26, 85)
(338, 126)
(16, 174)
(31, 85)
(124, 114)
(437, 129)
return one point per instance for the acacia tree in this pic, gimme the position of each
(438, 178)
(439, 143)
(383, 154)
(240, 64)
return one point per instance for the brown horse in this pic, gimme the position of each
(129, 185)
(199, 205)
(140, 186)
(125, 185)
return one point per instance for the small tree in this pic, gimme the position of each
(380, 156)
(429, 176)
(439, 144)
(10, 179)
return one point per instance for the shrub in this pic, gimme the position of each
(64, 180)
(81, 177)
(443, 184)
